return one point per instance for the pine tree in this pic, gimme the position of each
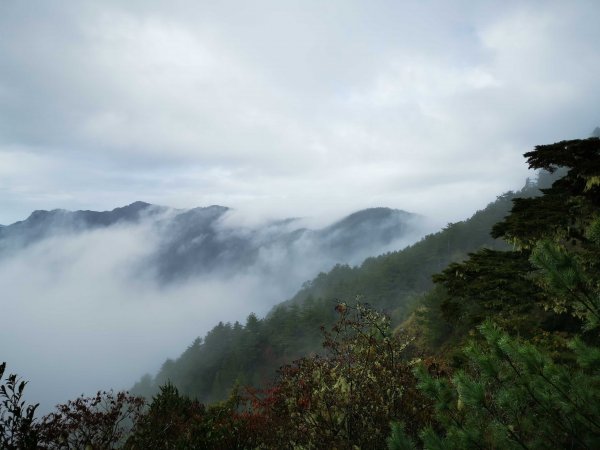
(513, 395)
(517, 393)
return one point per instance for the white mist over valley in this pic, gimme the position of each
(98, 299)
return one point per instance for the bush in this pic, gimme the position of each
(348, 397)
(101, 422)
(18, 429)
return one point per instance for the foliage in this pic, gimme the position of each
(512, 392)
(573, 289)
(547, 286)
(491, 283)
(344, 398)
(166, 420)
(428, 322)
(566, 208)
(398, 440)
(347, 398)
(102, 421)
(513, 395)
(17, 420)
(99, 422)
(174, 421)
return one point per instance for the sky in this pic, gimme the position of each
(287, 108)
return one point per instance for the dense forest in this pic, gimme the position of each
(464, 340)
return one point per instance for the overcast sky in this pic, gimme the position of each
(287, 108)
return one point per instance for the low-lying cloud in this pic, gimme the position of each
(85, 310)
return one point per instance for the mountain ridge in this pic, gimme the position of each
(199, 241)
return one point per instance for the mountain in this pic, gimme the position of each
(42, 224)
(200, 242)
(596, 132)
(354, 232)
(197, 242)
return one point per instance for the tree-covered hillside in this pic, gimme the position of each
(250, 353)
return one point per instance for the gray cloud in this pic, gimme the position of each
(267, 105)
(80, 322)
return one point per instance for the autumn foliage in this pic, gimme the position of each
(345, 397)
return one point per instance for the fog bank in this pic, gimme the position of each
(86, 310)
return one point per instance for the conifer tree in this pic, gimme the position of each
(513, 395)
(512, 392)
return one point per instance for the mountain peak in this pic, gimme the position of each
(596, 132)
(40, 214)
(138, 204)
(369, 215)
(134, 207)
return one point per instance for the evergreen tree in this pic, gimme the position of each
(512, 392)
(513, 395)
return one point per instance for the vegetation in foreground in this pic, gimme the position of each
(503, 352)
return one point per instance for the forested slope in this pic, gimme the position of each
(250, 353)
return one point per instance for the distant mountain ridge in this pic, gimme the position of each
(197, 241)
(42, 223)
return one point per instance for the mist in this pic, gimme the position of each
(88, 309)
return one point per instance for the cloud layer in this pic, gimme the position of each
(87, 308)
(287, 108)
